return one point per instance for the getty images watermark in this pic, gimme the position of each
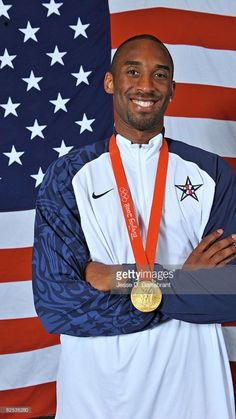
(127, 278)
(174, 280)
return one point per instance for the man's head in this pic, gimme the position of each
(141, 82)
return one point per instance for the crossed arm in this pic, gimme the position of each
(210, 253)
(204, 291)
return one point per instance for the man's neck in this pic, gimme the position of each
(138, 137)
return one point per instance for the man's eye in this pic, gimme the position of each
(132, 72)
(160, 75)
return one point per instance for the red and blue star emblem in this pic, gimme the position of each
(188, 189)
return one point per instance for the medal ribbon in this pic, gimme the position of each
(142, 257)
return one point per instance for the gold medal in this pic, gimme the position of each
(146, 296)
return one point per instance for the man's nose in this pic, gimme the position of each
(145, 83)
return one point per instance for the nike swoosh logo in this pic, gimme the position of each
(99, 196)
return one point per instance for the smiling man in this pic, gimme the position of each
(141, 199)
(142, 86)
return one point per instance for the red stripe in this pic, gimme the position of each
(15, 264)
(233, 371)
(232, 162)
(21, 335)
(40, 398)
(203, 101)
(175, 27)
(230, 324)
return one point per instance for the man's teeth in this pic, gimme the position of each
(143, 104)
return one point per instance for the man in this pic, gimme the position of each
(118, 362)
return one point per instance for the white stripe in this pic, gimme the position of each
(230, 341)
(220, 7)
(203, 66)
(29, 368)
(210, 134)
(200, 65)
(16, 229)
(16, 300)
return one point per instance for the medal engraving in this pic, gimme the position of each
(146, 296)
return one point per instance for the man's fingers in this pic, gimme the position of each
(212, 252)
(219, 246)
(223, 255)
(224, 262)
(208, 240)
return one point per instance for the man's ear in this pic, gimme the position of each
(108, 83)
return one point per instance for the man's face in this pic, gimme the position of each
(141, 85)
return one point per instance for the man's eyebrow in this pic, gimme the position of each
(158, 66)
(162, 66)
(132, 62)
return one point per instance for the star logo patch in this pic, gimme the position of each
(188, 189)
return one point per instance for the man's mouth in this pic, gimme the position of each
(144, 103)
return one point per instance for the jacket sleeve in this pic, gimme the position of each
(201, 296)
(64, 301)
(209, 296)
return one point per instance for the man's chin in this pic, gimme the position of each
(144, 123)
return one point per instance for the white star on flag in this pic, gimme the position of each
(7, 59)
(14, 156)
(79, 28)
(52, 7)
(63, 149)
(4, 9)
(36, 129)
(29, 32)
(56, 56)
(32, 81)
(38, 177)
(85, 124)
(59, 103)
(10, 107)
(82, 76)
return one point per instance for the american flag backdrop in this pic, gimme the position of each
(53, 56)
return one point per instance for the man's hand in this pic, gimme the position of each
(211, 253)
(99, 276)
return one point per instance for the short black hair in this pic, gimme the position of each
(137, 37)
